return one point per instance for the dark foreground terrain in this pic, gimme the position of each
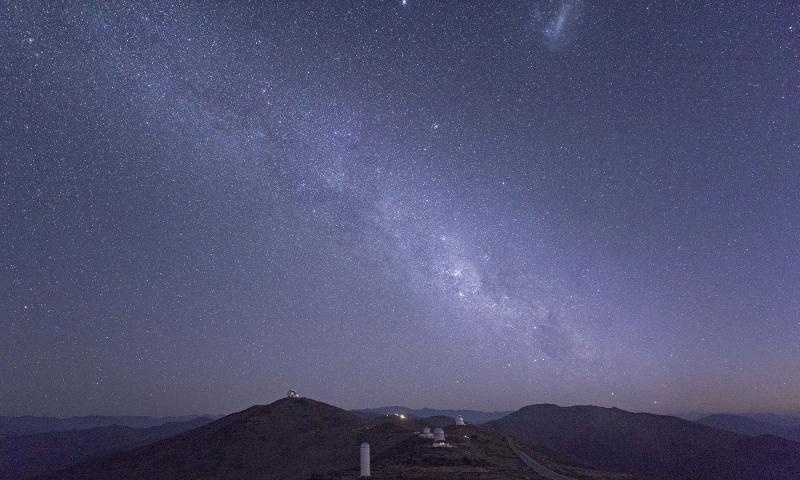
(298, 438)
(304, 439)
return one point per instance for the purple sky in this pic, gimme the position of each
(445, 204)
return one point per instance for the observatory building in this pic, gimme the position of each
(438, 438)
(459, 420)
(365, 467)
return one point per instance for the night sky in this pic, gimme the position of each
(446, 204)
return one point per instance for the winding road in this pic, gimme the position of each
(534, 465)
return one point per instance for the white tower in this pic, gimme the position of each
(459, 420)
(438, 435)
(365, 460)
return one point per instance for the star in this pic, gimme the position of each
(212, 196)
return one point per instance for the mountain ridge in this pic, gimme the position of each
(749, 426)
(471, 416)
(23, 456)
(650, 445)
(30, 424)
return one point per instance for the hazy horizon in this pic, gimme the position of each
(680, 414)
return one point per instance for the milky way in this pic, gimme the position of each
(434, 204)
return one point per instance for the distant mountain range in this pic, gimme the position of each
(773, 418)
(22, 456)
(28, 424)
(652, 446)
(751, 427)
(471, 416)
(784, 420)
